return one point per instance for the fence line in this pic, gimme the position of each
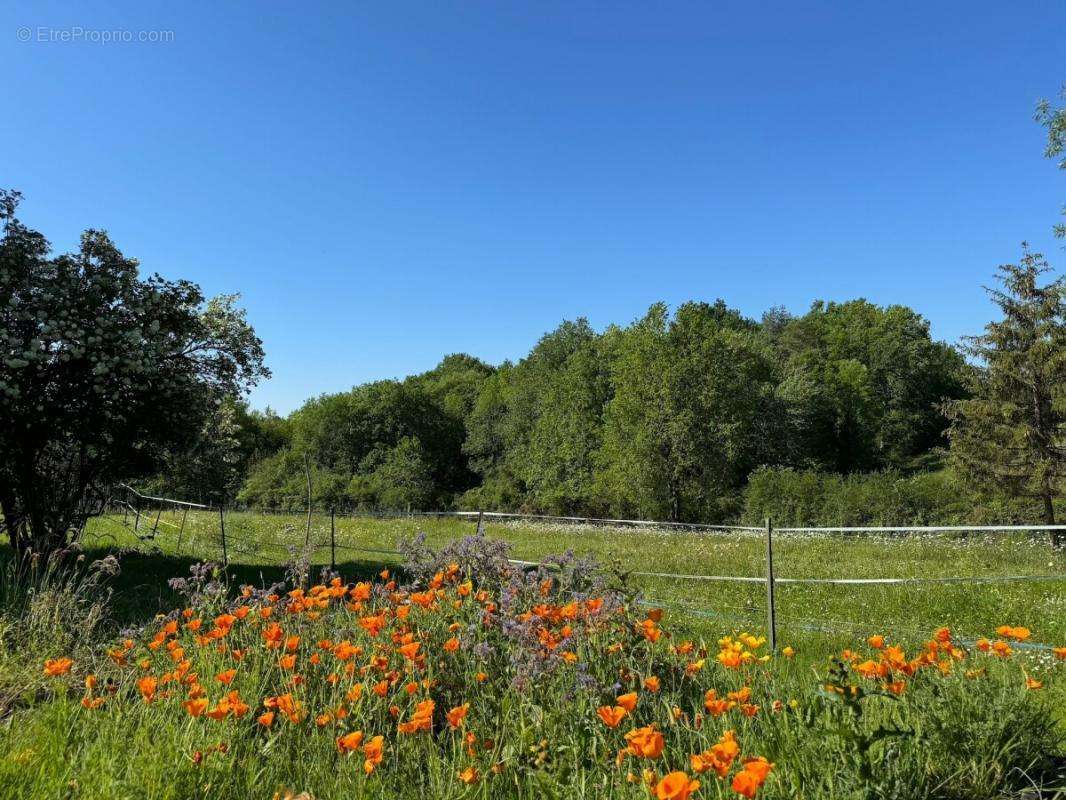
(820, 626)
(658, 524)
(607, 521)
(924, 529)
(850, 581)
(164, 499)
(593, 521)
(770, 580)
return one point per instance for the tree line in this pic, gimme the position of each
(664, 418)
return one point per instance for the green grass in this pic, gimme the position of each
(815, 617)
(947, 738)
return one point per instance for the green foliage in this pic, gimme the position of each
(403, 478)
(1010, 436)
(101, 373)
(635, 474)
(661, 419)
(792, 497)
(1054, 119)
(806, 497)
(360, 444)
(688, 419)
(210, 471)
(861, 385)
(559, 393)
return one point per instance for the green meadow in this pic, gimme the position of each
(823, 617)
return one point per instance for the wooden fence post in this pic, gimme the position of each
(181, 530)
(222, 527)
(480, 522)
(332, 539)
(771, 611)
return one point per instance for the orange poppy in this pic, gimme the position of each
(1001, 648)
(457, 715)
(226, 677)
(645, 742)
(147, 687)
(421, 719)
(54, 667)
(469, 776)
(373, 753)
(611, 715)
(752, 776)
(675, 786)
(289, 706)
(350, 742)
(627, 701)
(719, 757)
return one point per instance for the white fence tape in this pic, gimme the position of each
(824, 626)
(844, 581)
(698, 526)
(856, 581)
(924, 529)
(163, 499)
(608, 521)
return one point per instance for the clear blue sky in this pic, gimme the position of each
(387, 182)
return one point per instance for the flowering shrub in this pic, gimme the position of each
(469, 674)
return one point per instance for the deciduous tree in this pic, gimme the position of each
(1054, 119)
(101, 371)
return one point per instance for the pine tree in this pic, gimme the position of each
(1010, 436)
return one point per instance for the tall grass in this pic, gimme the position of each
(48, 606)
(820, 617)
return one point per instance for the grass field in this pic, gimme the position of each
(472, 679)
(819, 616)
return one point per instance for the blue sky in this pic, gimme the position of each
(388, 182)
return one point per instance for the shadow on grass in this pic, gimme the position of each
(141, 590)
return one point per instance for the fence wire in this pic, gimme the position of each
(144, 515)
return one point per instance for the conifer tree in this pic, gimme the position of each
(1010, 436)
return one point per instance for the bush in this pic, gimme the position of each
(803, 497)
